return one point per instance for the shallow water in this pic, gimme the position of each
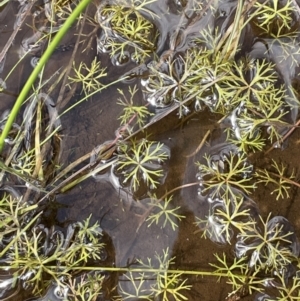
(119, 210)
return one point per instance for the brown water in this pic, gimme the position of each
(128, 236)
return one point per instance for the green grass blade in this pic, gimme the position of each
(44, 59)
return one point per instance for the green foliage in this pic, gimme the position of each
(289, 291)
(242, 279)
(246, 141)
(31, 263)
(260, 85)
(60, 10)
(269, 248)
(42, 255)
(225, 216)
(197, 77)
(283, 46)
(213, 229)
(165, 214)
(170, 286)
(126, 29)
(206, 72)
(272, 118)
(167, 285)
(166, 85)
(130, 7)
(88, 77)
(139, 288)
(277, 178)
(273, 13)
(261, 109)
(25, 164)
(3, 2)
(201, 76)
(233, 213)
(37, 70)
(140, 161)
(131, 111)
(155, 283)
(87, 287)
(220, 178)
(85, 231)
(210, 38)
(13, 216)
(208, 69)
(86, 243)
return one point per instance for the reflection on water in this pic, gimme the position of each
(180, 160)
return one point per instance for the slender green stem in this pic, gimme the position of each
(44, 59)
(145, 270)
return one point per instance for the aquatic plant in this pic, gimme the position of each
(140, 163)
(158, 283)
(14, 214)
(274, 13)
(131, 111)
(219, 178)
(164, 214)
(277, 178)
(88, 77)
(25, 164)
(226, 215)
(283, 45)
(271, 248)
(210, 70)
(41, 255)
(127, 34)
(243, 280)
(288, 291)
(177, 79)
(86, 287)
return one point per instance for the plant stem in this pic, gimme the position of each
(145, 270)
(84, 177)
(44, 59)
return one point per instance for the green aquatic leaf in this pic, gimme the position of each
(165, 214)
(141, 162)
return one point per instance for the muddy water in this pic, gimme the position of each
(95, 121)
